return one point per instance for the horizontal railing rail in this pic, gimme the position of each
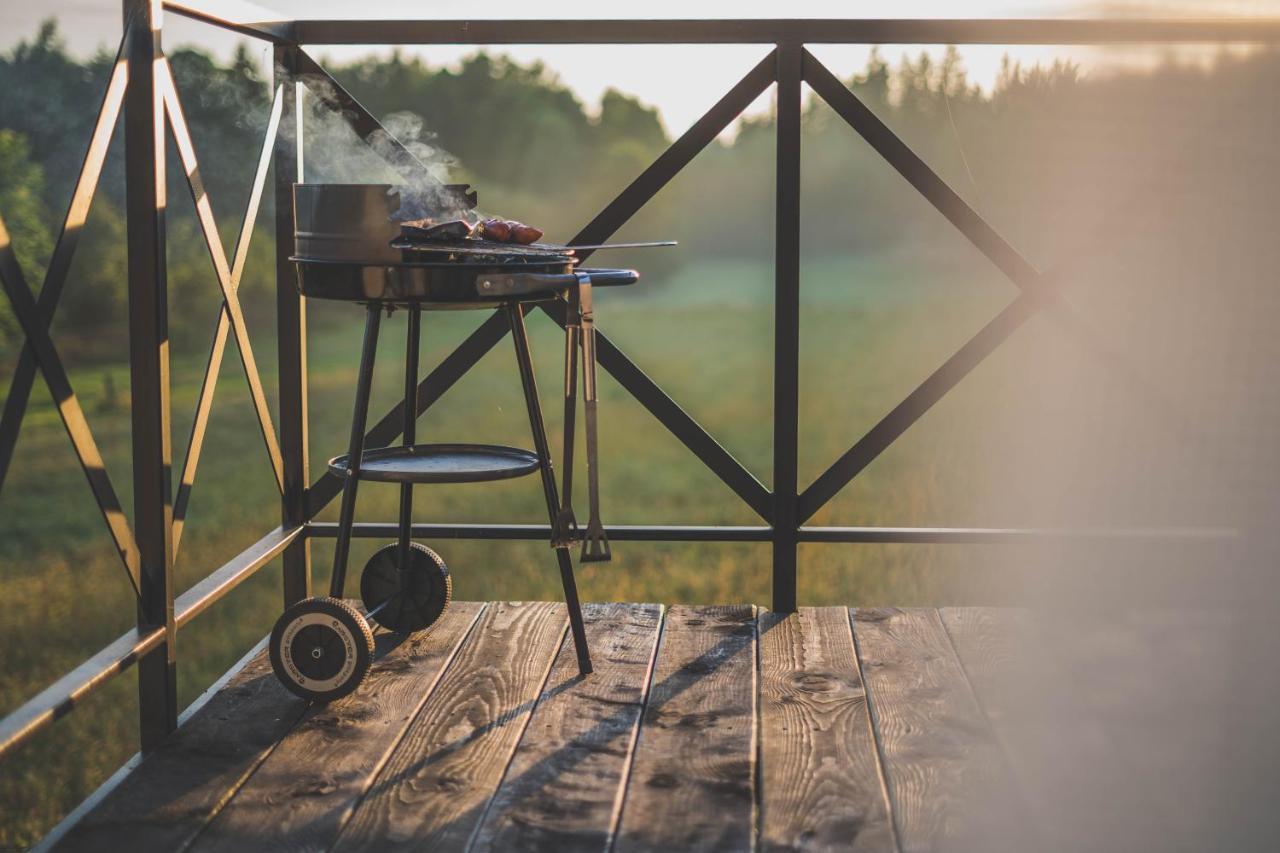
(760, 533)
(142, 89)
(748, 30)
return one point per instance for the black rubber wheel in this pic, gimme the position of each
(321, 649)
(408, 601)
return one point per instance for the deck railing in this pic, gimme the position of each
(141, 86)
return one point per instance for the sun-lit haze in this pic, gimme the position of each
(682, 81)
(1119, 434)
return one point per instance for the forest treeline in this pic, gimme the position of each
(1043, 154)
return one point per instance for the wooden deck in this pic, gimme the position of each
(710, 728)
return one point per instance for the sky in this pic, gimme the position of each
(682, 81)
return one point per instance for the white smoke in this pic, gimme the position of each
(403, 153)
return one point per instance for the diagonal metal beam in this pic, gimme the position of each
(668, 412)
(636, 195)
(55, 375)
(55, 278)
(209, 385)
(1037, 288)
(631, 377)
(678, 155)
(985, 238)
(331, 93)
(430, 389)
(231, 302)
(977, 230)
(926, 181)
(919, 401)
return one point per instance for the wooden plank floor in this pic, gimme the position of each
(702, 728)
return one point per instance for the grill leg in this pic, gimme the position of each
(355, 449)
(524, 359)
(410, 428)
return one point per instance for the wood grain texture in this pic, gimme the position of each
(432, 793)
(821, 783)
(302, 794)
(692, 784)
(993, 645)
(987, 640)
(176, 790)
(947, 781)
(563, 788)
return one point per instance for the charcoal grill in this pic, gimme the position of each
(321, 648)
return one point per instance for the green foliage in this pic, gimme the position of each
(503, 115)
(227, 107)
(51, 99)
(22, 205)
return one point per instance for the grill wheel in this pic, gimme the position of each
(407, 601)
(321, 649)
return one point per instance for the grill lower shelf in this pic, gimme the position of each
(441, 463)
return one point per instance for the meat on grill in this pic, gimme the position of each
(508, 231)
(521, 233)
(456, 230)
(497, 230)
(436, 232)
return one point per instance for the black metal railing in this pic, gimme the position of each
(141, 87)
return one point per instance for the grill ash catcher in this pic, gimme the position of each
(349, 249)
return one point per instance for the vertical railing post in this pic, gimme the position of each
(144, 133)
(291, 331)
(786, 331)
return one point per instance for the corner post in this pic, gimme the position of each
(144, 132)
(291, 331)
(786, 333)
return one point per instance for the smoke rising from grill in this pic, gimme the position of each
(395, 154)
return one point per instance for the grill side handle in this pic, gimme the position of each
(498, 285)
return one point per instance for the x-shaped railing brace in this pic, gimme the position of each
(35, 315)
(230, 314)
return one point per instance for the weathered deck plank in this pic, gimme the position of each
(821, 785)
(947, 782)
(692, 784)
(432, 792)
(709, 729)
(563, 789)
(174, 792)
(302, 794)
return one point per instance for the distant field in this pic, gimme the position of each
(872, 330)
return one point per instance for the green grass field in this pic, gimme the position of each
(871, 331)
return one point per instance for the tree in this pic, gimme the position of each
(23, 209)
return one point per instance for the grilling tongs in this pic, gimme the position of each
(580, 332)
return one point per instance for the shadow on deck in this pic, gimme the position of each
(703, 728)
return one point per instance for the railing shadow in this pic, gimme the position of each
(740, 638)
